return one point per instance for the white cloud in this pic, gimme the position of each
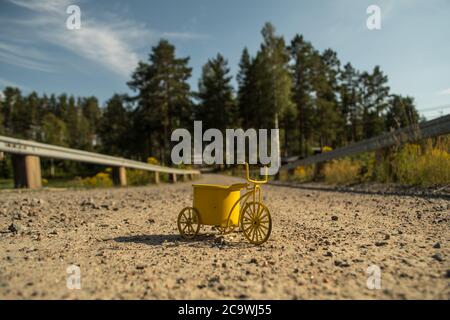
(112, 41)
(24, 57)
(444, 92)
(109, 43)
(43, 5)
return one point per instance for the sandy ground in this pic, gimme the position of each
(126, 243)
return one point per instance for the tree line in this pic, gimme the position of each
(310, 95)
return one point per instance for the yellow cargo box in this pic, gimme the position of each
(215, 202)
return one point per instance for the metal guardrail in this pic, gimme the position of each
(428, 129)
(19, 146)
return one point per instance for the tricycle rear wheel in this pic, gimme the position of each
(188, 222)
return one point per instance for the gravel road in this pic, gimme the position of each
(126, 245)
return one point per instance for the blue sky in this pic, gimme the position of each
(38, 52)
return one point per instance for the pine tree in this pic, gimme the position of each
(328, 119)
(33, 107)
(19, 118)
(374, 100)
(92, 112)
(114, 128)
(61, 107)
(10, 97)
(2, 119)
(401, 113)
(163, 96)
(217, 108)
(273, 78)
(54, 130)
(247, 91)
(273, 84)
(302, 53)
(350, 103)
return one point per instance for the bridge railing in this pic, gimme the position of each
(27, 167)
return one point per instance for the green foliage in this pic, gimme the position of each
(274, 79)
(425, 165)
(217, 108)
(2, 119)
(163, 99)
(54, 130)
(401, 112)
(247, 97)
(302, 54)
(139, 177)
(115, 127)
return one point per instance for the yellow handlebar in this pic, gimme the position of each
(255, 181)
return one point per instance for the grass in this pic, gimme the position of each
(342, 171)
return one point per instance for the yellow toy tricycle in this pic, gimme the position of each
(220, 206)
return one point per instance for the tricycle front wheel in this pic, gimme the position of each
(256, 223)
(188, 222)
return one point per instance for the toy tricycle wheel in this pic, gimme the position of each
(256, 223)
(188, 222)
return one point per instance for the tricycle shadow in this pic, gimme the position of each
(173, 240)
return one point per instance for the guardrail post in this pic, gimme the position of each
(318, 169)
(191, 176)
(156, 177)
(27, 171)
(173, 177)
(120, 176)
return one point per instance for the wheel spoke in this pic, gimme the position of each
(248, 228)
(264, 226)
(264, 221)
(263, 234)
(188, 222)
(251, 230)
(257, 233)
(253, 234)
(259, 211)
(263, 214)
